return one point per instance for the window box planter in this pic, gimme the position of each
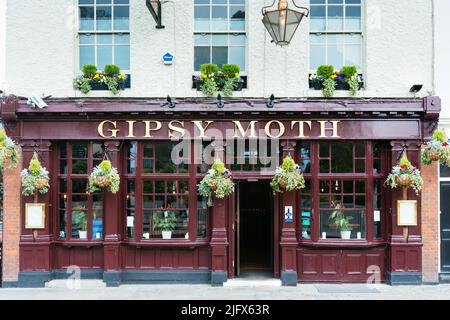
(99, 86)
(197, 84)
(340, 85)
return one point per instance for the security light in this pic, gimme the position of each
(416, 88)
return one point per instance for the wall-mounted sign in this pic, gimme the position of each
(288, 215)
(376, 216)
(34, 216)
(407, 213)
(168, 58)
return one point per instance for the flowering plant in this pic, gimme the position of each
(111, 77)
(218, 181)
(405, 175)
(288, 177)
(437, 149)
(211, 79)
(7, 150)
(328, 80)
(104, 176)
(35, 178)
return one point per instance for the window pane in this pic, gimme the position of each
(62, 223)
(79, 225)
(104, 39)
(318, 56)
(342, 158)
(122, 57)
(87, 39)
(79, 166)
(164, 163)
(86, 18)
(121, 18)
(219, 18)
(317, 18)
(202, 18)
(219, 40)
(201, 39)
(157, 218)
(97, 225)
(220, 55)
(104, 56)
(122, 38)
(353, 18)
(237, 17)
(353, 56)
(329, 224)
(87, 55)
(335, 18)
(104, 18)
(201, 56)
(335, 56)
(79, 186)
(237, 56)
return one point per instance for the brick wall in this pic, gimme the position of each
(430, 223)
(11, 223)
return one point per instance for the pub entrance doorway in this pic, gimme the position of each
(254, 230)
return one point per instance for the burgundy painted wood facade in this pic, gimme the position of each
(401, 124)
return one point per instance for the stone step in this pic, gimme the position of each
(253, 283)
(71, 284)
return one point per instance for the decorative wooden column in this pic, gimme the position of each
(219, 240)
(405, 250)
(35, 245)
(288, 241)
(111, 209)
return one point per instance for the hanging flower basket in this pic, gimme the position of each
(35, 179)
(104, 176)
(405, 175)
(288, 177)
(437, 149)
(217, 182)
(8, 150)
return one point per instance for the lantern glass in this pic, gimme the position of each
(282, 24)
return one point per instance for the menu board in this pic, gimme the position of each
(34, 216)
(407, 213)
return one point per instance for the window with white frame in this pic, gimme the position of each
(104, 33)
(220, 32)
(336, 33)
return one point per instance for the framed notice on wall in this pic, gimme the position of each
(34, 216)
(407, 213)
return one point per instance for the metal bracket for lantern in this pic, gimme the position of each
(154, 6)
(282, 23)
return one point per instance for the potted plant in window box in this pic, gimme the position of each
(437, 149)
(218, 182)
(211, 80)
(166, 222)
(328, 80)
(405, 175)
(341, 221)
(111, 79)
(104, 176)
(288, 177)
(8, 151)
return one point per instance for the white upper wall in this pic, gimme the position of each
(2, 43)
(42, 50)
(442, 57)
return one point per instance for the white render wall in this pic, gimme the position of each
(41, 50)
(442, 59)
(2, 43)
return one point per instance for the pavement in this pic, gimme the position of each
(96, 290)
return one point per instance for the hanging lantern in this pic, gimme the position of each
(283, 22)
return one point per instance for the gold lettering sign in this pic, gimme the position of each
(176, 129)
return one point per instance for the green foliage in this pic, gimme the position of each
(83, 84)
(353, 82)
(104, 176)
(209, 87)
(230, 70)
(209, 69)
(105, 165)
(348, 71)
(113, 84)
(80, 220)
(340, 220)
(218, 166)
(89, 70)
(325, 71)
(217, 182)
(440, 135)
(35, 166)
(329, 86)
(111, 70)
(2, 134)
(229, 86)
(288, 164)
(404, 161)
(164, 223)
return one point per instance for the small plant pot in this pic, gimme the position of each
(346, 235)
(166, 234)
(102, 181)
(404, 181)
(40, 183)
(434, 154)
(316, 85)
(239, 85)
(96, 85)
(198, 84)
(82, 234)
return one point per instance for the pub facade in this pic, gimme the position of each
(162, 147)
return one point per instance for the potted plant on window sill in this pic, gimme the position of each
(328, 80)
(341, 221)
(211, 80)
(166, 222)
(111, 79)
(81, 223)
